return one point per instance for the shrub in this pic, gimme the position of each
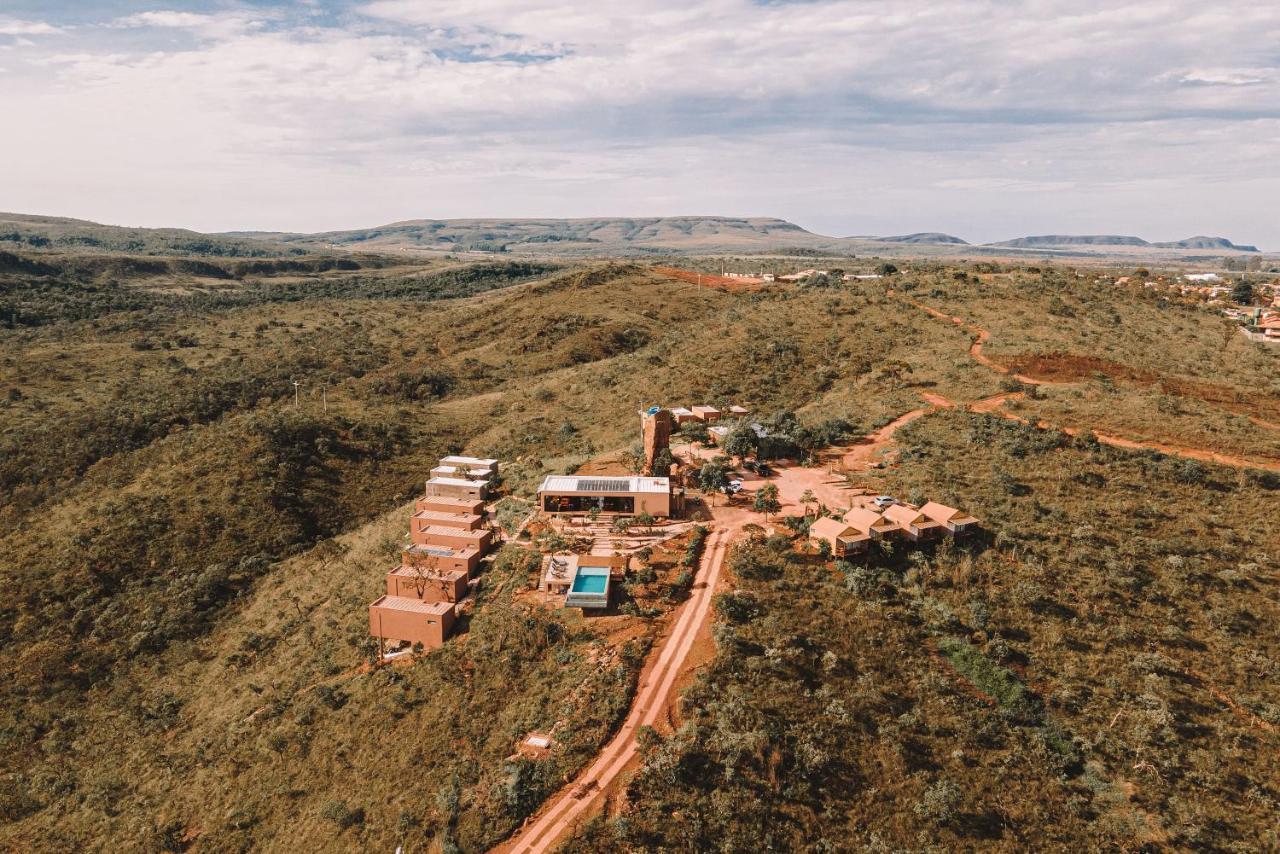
(988, 677)
(939, 802)
(342, 815)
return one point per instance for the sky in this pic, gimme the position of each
(987, 120)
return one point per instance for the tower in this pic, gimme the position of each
(655, 426)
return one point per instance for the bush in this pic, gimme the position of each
(342, 815)
(989, 678)
(939, 802)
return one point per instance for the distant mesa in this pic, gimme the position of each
(1202, 242)
(1050, 240)
(1040, 240)
(704, 232)
(926, 237)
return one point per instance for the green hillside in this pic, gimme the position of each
(189, 556)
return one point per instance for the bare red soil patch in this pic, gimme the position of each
(709, 280)
(1069, 367)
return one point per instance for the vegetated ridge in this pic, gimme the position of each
(587, 237)
(1050, 240)
(189, 555)
(925, 237)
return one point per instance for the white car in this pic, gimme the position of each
(733, 487)
(883, 501)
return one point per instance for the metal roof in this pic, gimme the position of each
(558, 483)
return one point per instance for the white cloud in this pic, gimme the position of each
(1231, 76)
(209, 25)
(14, 27)
(983, 111)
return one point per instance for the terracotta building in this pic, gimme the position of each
(400, 618)
(628, 496)
(448, 504)
(452, 538)
(427, 584)
(656, 425)
(441, 558)
(436, 518)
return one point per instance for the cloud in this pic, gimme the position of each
(14, 27)
(209, 25)
(994, 111)
(1230, 76)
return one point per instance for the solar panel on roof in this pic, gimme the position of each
(604, 485)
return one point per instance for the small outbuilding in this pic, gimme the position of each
(411, 620)
(458, 487)
(842, 538)
(452, 538)
(956, 521)
(416, 582)
(914, 524)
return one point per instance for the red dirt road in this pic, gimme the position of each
(657, 683)
(992, 404)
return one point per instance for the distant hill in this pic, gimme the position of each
(1042, 240)
(935, 237)
(567, 238)
(1201, 242)
(680, 233)
(29, 231)
(1051, 240)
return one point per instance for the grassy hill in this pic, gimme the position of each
(189, 557)
(30, 231)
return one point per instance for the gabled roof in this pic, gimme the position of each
(863, 518)
(827, 528)
(904, 515)
(942, 513)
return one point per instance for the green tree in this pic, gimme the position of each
(740, 442)
(694, 431)
(1242, 293)
(633, 459)
(712, 477)
(766, 501)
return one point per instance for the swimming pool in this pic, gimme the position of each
(591, 580)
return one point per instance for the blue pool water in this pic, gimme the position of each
(595, 582)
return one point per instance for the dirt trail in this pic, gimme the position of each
(580, 798)
(710, 280)
(862, 455)
(992, 405)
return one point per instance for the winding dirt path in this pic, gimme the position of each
(579, 799)
(992, 405)
(862, 455)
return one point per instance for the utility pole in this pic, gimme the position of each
(296, 404)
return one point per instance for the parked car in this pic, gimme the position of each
(883, 501)
(733, 487)
(763, 470)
